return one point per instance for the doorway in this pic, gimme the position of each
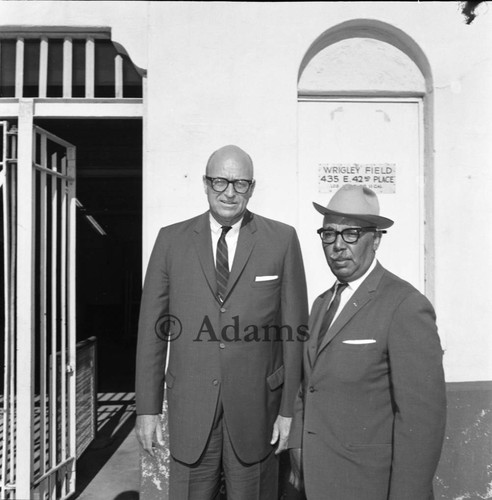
(109, 240)
(364, 117)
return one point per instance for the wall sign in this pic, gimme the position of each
(380, 177)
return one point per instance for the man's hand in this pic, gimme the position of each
(148, 431)
(295, 477)
(281, 429)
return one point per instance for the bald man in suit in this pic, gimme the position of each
(225, 292)
(370, 415)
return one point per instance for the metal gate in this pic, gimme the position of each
(38, 448)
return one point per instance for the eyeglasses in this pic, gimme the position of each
(350, 235)
(220, 184)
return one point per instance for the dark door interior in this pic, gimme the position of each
(109, 240)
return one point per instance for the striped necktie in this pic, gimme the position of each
(222, 264)
(331, 311)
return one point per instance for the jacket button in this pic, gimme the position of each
(222, 345)
(312, 389)
(223, 309)
(215, 382)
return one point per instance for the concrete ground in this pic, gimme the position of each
(110, 469)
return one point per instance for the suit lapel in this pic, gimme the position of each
(364, 294)
(315, 320)
(245, 244)
(203, 246)
(357, 301)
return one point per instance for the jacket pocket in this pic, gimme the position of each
(270, 283)
(276, 379)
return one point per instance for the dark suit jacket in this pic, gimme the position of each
(370, 417)
(236, 348)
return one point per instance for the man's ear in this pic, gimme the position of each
(252, 188)
(205, 185)
(377, 241)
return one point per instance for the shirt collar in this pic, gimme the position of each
(216, 228)
(353, 285)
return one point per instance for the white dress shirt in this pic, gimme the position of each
(231, 238)
(347, 293)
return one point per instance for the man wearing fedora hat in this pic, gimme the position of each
(371, 411)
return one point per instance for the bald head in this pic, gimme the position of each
(232, 164)
(234, 157)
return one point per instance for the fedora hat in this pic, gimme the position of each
(355, 202)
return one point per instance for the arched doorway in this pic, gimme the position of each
(363, 118)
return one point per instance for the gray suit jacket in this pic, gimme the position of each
(370, 416)
(248, 349)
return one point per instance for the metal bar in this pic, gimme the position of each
(19, 67)
(52, 470)
(12, 276)
(67, 67)
(71, 311)
(54, 137)
(63, 320)
(118, 76)
(13, 146)
(54, 320)
(25, 302)
(89, 67)
(7, 362)
(43, 67)
(49, 172)
(43, 394)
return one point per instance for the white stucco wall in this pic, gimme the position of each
(226, 73)
(222, 73)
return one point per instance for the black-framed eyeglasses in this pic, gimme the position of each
(350, 235)
(220, 184)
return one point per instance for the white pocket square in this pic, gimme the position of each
(266, 278)
(360, 341)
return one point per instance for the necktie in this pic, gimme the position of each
(330, 312)
(222, 264)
